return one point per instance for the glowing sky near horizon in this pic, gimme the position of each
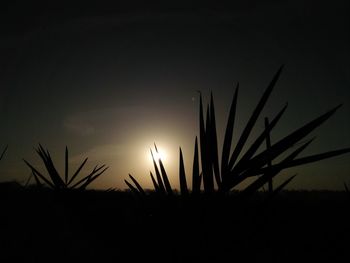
(111, 84)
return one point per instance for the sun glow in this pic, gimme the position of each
(159, 154)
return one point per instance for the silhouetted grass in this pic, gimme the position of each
(234, 171)
(3, 152)
(55, 180)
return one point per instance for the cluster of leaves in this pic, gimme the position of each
(55, 181)
(252, 164)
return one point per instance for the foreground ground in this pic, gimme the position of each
(115, 226)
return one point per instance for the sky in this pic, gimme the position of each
(109, 81)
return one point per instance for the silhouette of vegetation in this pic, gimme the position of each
(234, 171)
(3, 152)
(55, 181)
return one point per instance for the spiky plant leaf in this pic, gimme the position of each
(89, 177)
(182, 176)
(226, 149)
(196, 179)
(66, 167)
(308, 159)
(159, 178)
(3, 152)
(251, 122)
(155, 185)
(138, 186)
(284, 184)
(287, 142)
(272, 171)
(268, 146)
(77, 171)
(132, 188)
(47, 160)
(213, 141)
(37, 173)
(242, 163)
(207, 167)
(92, 178)
(165, 178)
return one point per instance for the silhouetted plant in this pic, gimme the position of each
(55, 181)
(234, 171)
(3, 152)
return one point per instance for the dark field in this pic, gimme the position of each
(118, 227)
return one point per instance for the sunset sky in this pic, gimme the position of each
(109, 82)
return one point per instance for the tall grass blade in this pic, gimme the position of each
(207, 166)
(66, 167)
(226, 148)
(267, 173)
(315, 158)
(213, 141)
(132, 188)
(159, 178)
(242, 163)
(93, 178)
(290, 140)
(3, 152)
(165, 178)
(37, 173)
(268, 146)
(196, 179)
(77, 171)
(47, 160)
(251, 122)
(284, 184)
(182, 176)
(138, 186)
(89, 176)
(155, 185)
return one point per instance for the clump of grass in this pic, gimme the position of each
(55, 180)
(234, 170)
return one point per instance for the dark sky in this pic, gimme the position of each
(108, 81)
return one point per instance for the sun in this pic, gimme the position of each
(160, 154)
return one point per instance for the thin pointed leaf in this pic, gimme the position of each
(93, 178)
(77, 171)
(3, 152)
(251, 122)
(36, 172)
(268, 146)
(182, 176)
(132, 188)
(284, 184)
(66, 167)
(290, 140)
(214, 156)
(207, 167)
(138, 186)
(47, 160)
(165, 178)
(156, 187)
(89, 176)
(316, 157)
(267, 173)
(346, 188)
(242, 163)
(226, 148)
(196, 180)
(159, 178)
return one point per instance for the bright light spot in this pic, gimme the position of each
(160, 155)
